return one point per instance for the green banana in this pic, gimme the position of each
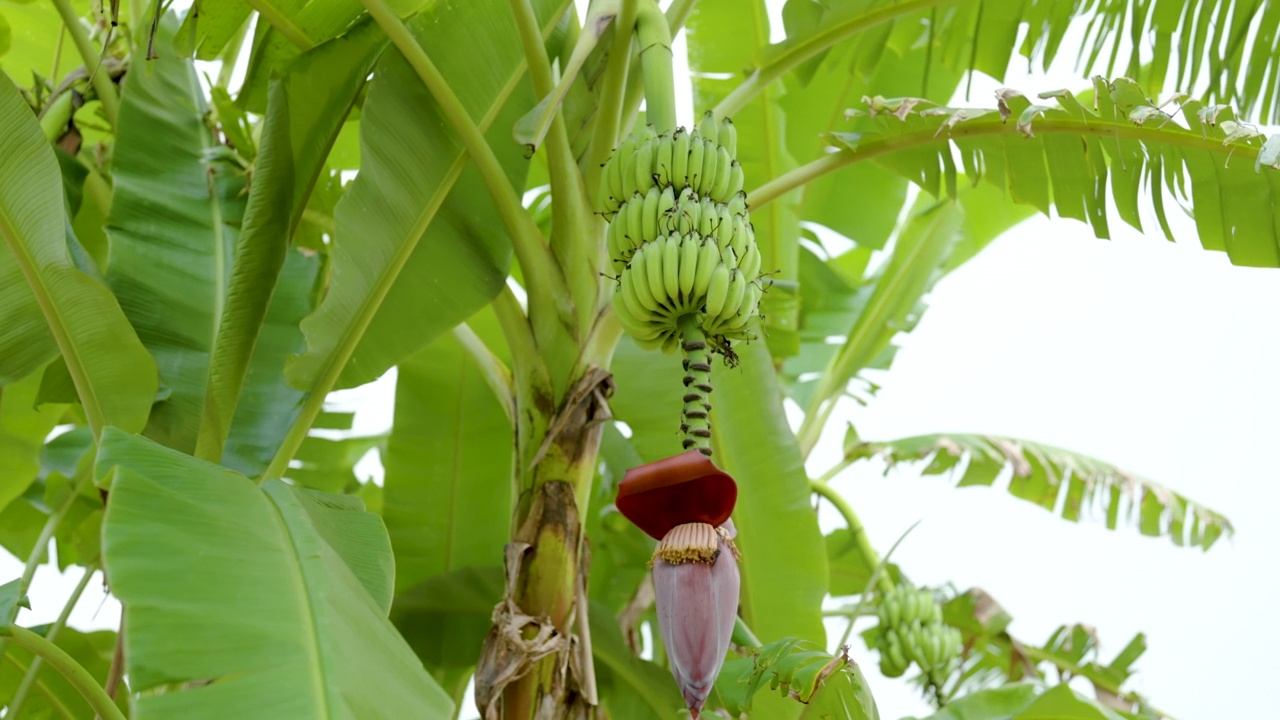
(728, 137)
(708, 128)
(614, 170)
(724, 231)
(654, 344)
(636, 327)
(694, 172)
(639, 271)
(724, 173)
(626, 290)
(742, 235)
(717, 290)
(667, 201)
(606, 191)
(680, 158)
(899, 658)
(663, 159)
(655, 258)
(649, 213)
(737, 203)
(671, 268)
(634, 210)
(688, 266)
(737, 325)
(614, 241)
(708, 260)
(708, 177)
(643, 168)
(893, 607)
(736, 179)
(750, 263)
(736, 292)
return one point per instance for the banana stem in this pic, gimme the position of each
(74, 672)
(859, 533)
(655, 64)
(100, 81)
(696, 420)
(33, 670)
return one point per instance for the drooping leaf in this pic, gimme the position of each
(418, 246)
(449, 463)
(985, 35)
(47, 305)
(175, 216)
(273, 590)
(1052, 477)
(307, 112)
(1066, 156)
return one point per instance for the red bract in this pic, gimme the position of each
(684, 488)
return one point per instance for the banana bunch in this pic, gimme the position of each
(680, 230)
(661, 212)
(701, 160)
(912, 630)
(676, 275)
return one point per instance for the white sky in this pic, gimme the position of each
(1160, 359)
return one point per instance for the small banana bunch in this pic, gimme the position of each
(680, 230)
(912, 630)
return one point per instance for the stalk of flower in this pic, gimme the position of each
(681, 241)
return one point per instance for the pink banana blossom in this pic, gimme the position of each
(685, 502)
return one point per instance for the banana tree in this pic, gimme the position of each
(500, 201)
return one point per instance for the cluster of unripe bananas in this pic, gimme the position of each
(912, 630)
(681, 234)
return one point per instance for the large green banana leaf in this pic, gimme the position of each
(47, 305)
(285, 592)
(175, 216)
(418, 246)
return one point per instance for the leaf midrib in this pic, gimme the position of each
(57, 325)
(312, 638)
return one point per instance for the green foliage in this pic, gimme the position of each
(1127, 139)
(1054, 478)
(113, 373)
(302, 631)
(182, 286)
(175, 213)
(400, 287)
(829, 686)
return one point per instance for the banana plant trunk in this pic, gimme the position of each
(536, 661)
